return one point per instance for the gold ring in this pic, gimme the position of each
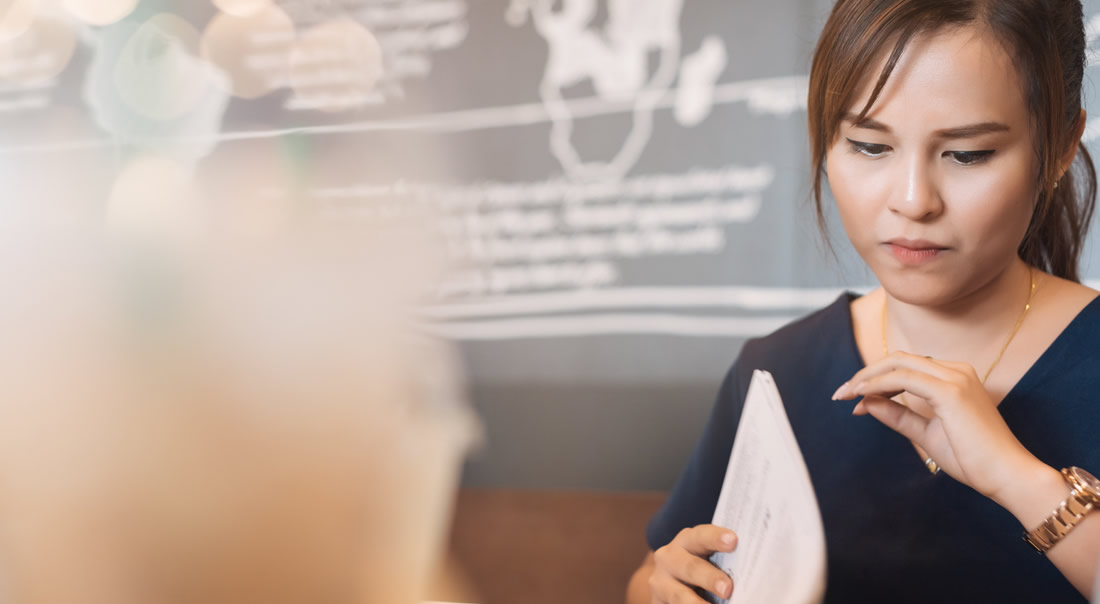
(931, 465)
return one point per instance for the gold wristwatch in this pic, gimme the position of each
(1084, 498)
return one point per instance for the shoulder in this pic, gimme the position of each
(1057, 394)
(1074, 322)
(1067, 296)
(1066, 309)
(820, 332)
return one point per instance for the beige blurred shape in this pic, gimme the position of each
(16, 17)
(252, 49)
(251, 181)
(159, 73)
(336, 66)
(154, 199)
(100, 12)
(242, 8)
(41, 53)
(224, 427)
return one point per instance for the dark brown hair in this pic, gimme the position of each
(1046, 40)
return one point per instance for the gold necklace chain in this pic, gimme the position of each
(1016, 328)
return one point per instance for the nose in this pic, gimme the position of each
(919, 198)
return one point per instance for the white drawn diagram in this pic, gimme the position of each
(614, 59)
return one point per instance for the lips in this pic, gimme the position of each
(916, 245)
(914, 252)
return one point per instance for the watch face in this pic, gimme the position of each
(1088, 480)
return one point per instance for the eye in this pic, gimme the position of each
(868, 149)
(968, 158)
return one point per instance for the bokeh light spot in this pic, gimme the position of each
(100, 12)
(253, 51)
(336, 66)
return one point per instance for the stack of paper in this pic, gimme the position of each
(768, 500)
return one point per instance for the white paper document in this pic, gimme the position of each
(768, 500)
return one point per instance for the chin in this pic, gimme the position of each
(919, 289)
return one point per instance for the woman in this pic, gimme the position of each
(950, 132)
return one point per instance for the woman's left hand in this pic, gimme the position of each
(952, 418)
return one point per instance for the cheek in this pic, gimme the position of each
(994, 205)
(858, 191)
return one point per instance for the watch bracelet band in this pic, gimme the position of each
(1061, 521)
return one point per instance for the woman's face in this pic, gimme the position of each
(936, 186)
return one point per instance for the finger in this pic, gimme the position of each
(705, 539)
(957, 366)
(691, 570)
(898, 418)
(668, 590)
(697, 572)
(896, 361)
(902, 380)
(900, 360)
(918, 406)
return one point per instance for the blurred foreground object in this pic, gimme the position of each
(190, 420)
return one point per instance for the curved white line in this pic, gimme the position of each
(610, 324)
(455, 121)
(751, 298)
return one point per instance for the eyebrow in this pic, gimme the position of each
(968, 131)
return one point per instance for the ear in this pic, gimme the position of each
(1071, 152)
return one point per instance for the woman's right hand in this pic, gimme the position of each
(683, 565)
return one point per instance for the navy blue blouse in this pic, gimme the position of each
(894, 532)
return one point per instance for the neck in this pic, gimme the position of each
(971, 328)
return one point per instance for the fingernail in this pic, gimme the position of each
(721, 588)
(840, 392)
(728, 538)
(859, 388)
(859, 409)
